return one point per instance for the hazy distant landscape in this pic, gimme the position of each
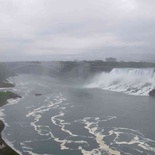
(83, 69)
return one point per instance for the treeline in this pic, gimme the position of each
(87, 68)
(66, 69)
(101, 63)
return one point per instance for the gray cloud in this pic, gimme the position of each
(77, 29)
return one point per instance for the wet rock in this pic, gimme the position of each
(38, 94)
(152, 93)
(6, 84)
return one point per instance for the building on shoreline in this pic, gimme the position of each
(111, 59)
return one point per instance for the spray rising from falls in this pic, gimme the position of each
(128, 80)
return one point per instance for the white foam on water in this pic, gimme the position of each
(128, 80)
(32, 153)
(28, 149)
(136, 138)
(99, 137)
(57, 121)
(2, 115)
(12, 102)
(61, 123)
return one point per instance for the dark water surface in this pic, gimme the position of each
(71, 120)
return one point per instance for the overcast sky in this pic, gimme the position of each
(77, 29)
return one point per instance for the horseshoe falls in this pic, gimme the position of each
(129, 80)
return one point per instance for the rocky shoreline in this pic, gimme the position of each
(152, 93)
(6, 84)
(4, 96)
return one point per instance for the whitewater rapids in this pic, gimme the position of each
(129, 80)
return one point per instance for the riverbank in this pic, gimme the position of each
(4, 96)
(6, 84)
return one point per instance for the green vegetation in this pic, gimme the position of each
(6, 95)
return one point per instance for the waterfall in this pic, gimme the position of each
(128, 80)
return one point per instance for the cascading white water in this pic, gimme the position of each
(129, 80)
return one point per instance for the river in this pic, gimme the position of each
(53, 118)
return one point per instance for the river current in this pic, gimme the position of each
(53, 118)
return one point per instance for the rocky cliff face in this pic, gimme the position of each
(152, 93)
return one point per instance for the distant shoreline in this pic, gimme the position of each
(5, 149)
